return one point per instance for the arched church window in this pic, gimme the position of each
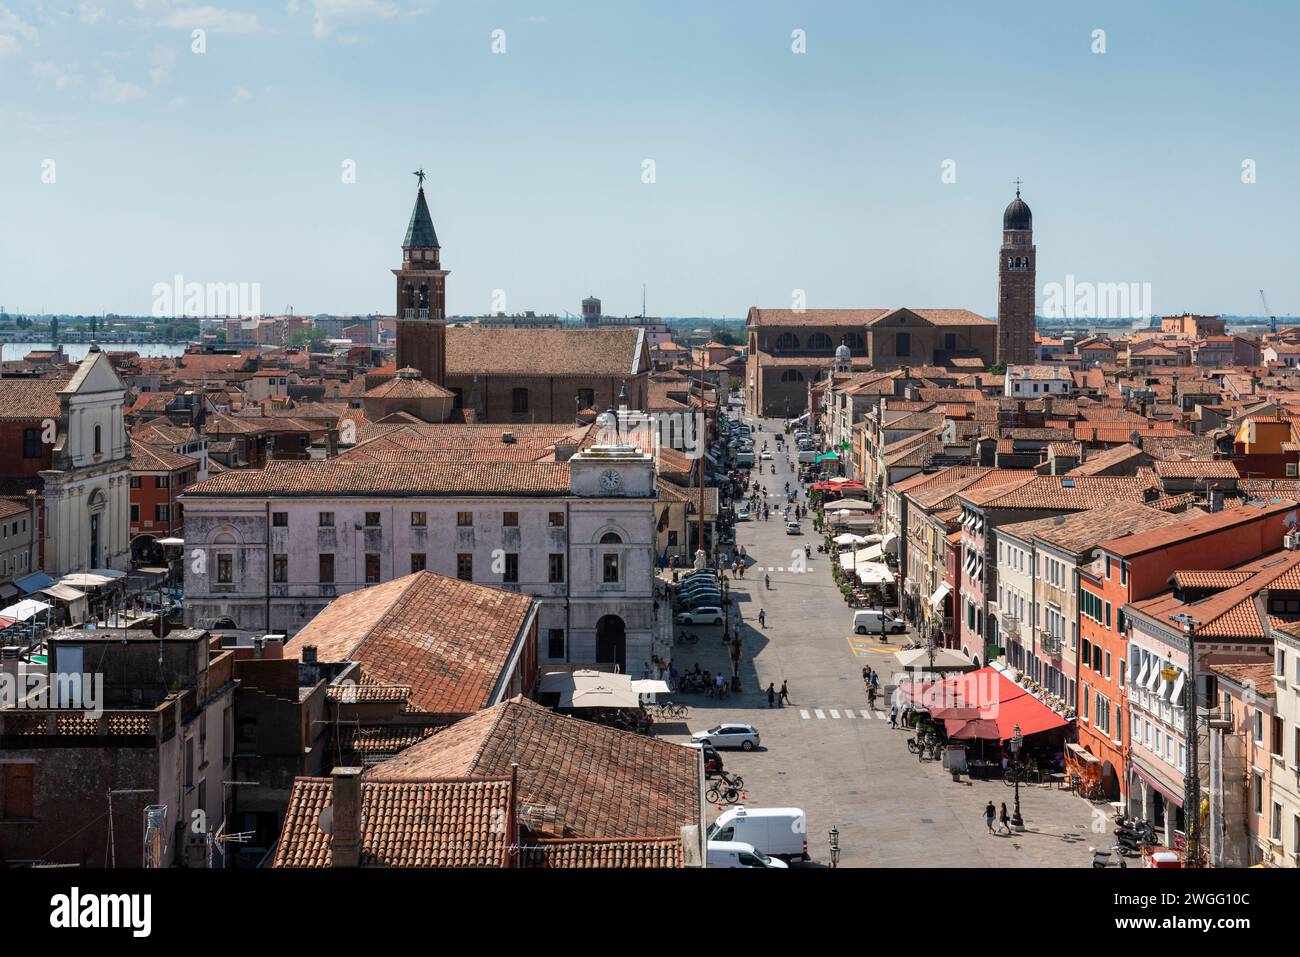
(819, 340)
(787, 340)
(611, 538)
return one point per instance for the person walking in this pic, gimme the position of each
(767, 582)
(893, 717)
(990, 812)
(866, 675)
(785, 693)
(1004, 819)
(762, 617)
(771, 694)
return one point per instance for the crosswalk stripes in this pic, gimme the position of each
(836, 714)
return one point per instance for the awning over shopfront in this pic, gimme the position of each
(849, 538)
(85, 580)
(939, 595)
(828, 457)
(1081, 754)
(650, 686)
(8, 591)
(34, 582)
(890, 543)
(869, 572)
(110, 573)
(997, 698)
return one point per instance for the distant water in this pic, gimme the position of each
(76, 351)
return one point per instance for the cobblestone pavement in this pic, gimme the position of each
(830, 755)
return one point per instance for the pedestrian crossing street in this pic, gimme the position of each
(842, 714)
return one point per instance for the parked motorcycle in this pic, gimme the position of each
(1102, 858)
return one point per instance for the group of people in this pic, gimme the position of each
(1004, 819)
(871, 679)
(774, 696)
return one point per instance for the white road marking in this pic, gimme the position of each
(866, 713)
(804, 714)
(821, 716)
(835, 714)
(849, 714)
(880, 714)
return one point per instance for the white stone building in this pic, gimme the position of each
(270, 548)
(87, 491)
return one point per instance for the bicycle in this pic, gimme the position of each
(1095, 791)
(670, 709)
(726, 794)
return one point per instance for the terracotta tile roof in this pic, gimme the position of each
(465, 443)
(430, 823)
(652, 852)
(1061, 492)
(576, 778)
(1255, 675)
(1079, 532)
(857, 317)
(1131, 545)
(30, 398)
(156, 458)
(1212, 580)
(374, 743)
(1231, 613)
(451, 641)
(159, 432)
(337, 477)
(549, 352)
(404, 387)
(1120, 432)
(941, 493)
(1185, 469)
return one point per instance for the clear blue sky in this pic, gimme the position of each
(775, 171)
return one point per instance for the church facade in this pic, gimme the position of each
(87, 489)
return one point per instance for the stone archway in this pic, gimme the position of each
(611, 641)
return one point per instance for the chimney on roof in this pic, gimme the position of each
(308, 668)
(345, 817)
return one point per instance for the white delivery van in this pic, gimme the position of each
(740, 854)
(808, 457)
(776, 831)
(745, 459)
(869, 622)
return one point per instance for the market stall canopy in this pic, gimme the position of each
(997, 697)
(590, 689)
(890, 543)
(848, 538)
(868, 572)
(85, 580)
(63, 592)
(828, 457)
(852, 504)
(34, 582)
(109, 573)
(6, 622)
(25, 609)
(650, 686)
(945, 659)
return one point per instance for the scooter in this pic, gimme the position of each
(1101, 858)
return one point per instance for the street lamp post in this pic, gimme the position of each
(1017, 742)
(1192, 776)
(835, 846)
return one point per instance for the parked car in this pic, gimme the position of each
(742, 515)
(704, 615)
(792, 528)
(743, 736)
(780, 832)
(740, 854)
(699, 573)
(874, 622)
(702, 585)
(765, 455)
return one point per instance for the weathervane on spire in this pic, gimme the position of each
(419, 175)
(1017, 185)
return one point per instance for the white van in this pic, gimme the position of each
(745, 459)
(869, 622)
(740, 854)
(776, 831)
(808, 457)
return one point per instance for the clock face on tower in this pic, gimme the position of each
(610, 480)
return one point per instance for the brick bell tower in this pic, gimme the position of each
(421, 296)
(1016, 322)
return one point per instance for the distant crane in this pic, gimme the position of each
(1272, 319)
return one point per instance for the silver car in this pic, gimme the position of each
(743, 736)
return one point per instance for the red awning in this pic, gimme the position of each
(979, 729)
(995, 697)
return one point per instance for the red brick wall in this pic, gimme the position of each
(12, 463)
